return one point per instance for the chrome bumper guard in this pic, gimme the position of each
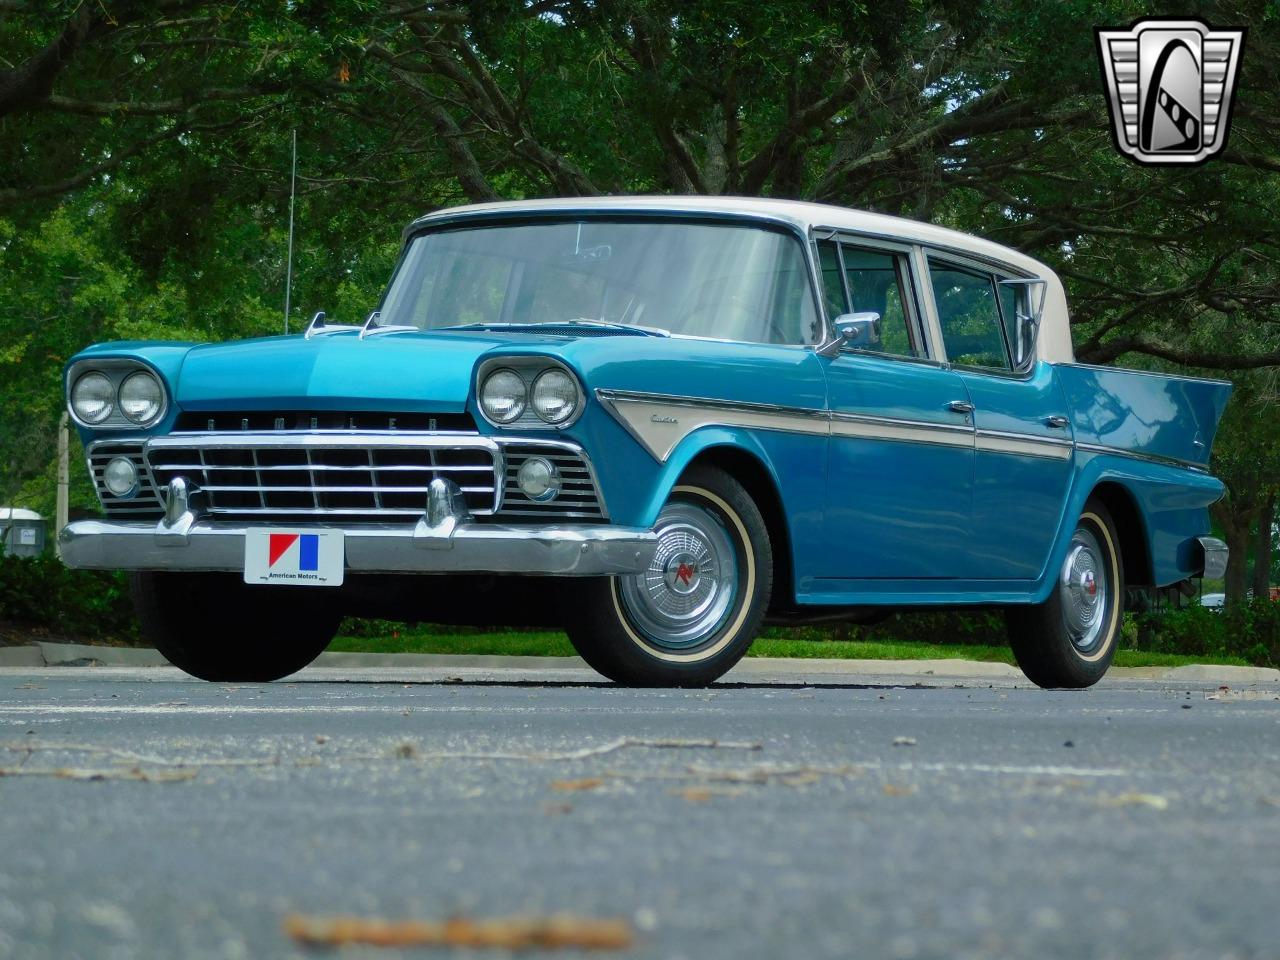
(444, 540)
(1215, 558)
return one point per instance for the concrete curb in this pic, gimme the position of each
(42, 654)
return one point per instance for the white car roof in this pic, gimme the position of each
(1054, 344)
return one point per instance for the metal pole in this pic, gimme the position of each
(288, 277)
(64, 480)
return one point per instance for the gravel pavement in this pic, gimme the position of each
(835, 815)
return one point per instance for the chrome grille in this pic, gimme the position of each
(145, 505)
(329, 477)
(578, 501)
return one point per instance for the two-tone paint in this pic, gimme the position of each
(898, 481)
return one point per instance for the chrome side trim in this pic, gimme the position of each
(998, 441)
(1143, 373)
(1148, 457)
(908, 431)
(659, 422)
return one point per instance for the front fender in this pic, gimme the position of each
(689, 449)
(795, 468)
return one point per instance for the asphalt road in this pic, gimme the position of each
(143, 815)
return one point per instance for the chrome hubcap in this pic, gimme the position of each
(1082, 587)
(688, 589)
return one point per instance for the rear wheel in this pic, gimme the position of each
(216, 627)
(1070, 639)
(693, 613)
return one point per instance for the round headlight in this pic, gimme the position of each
(555, 396)
(121, 478)
(503, 396)
(91, 397)
(539, 480)
(141, 397)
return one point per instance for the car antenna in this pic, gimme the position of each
(288, 270)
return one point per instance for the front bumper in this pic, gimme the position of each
(582, 550)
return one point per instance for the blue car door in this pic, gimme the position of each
(1024, 454)
(900, 474)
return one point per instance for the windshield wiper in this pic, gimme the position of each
(630, 328)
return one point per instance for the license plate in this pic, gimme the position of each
(306, 558)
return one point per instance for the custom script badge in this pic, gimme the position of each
(1169, 86)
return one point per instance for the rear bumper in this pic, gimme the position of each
(583, 550)
(1213, 563)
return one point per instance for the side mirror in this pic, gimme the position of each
(859, 331)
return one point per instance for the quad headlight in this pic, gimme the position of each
(141, 397)
(555, 396)
(115, 393)
(503, 396)
(93, 397)
(531, 392)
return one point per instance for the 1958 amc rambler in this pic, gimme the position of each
(657, 422)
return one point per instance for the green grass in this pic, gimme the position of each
(554, 644)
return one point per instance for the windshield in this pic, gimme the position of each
(727, 281)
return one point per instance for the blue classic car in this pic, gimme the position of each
(657, 422)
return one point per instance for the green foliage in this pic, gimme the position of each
(1250, 631)
(40, 591)
(947, 628)
(144, 181)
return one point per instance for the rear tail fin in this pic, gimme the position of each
(1146, 413)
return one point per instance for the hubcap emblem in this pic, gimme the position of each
(681, 573)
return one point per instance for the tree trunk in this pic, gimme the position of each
(1235, 530)
(1262, 549)
(1237, 578)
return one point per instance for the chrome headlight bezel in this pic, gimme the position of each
(116, 371)
(529, 369)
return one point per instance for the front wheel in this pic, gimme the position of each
(693, 613)
(1070, 639)
(216, 627)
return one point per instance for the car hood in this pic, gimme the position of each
(339, 371)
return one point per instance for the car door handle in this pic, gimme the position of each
(1057, 421)
(960, 406)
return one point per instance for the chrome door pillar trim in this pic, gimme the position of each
(928, 306)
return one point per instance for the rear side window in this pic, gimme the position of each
(969, 315)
